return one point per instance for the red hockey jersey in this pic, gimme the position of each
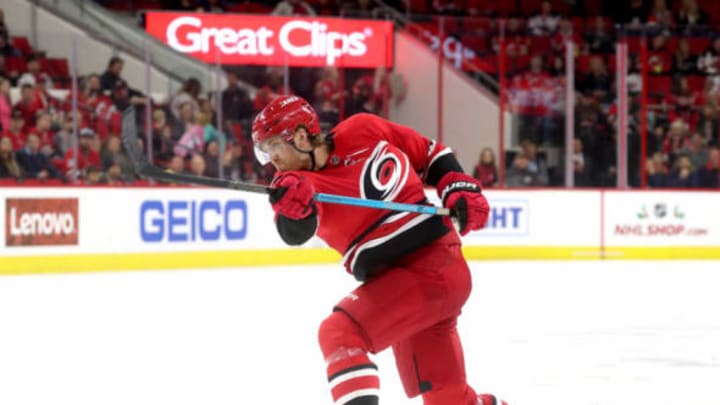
(376, 159)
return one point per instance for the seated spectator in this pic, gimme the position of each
(27, 105)
(682, 100)
(273, 87)
(293, 8)
(9, 167)
(87, 157)
(486, 169)
(34, 163)
(236, 103)
(659, 58)
(44, 99)
(536, 163)
(162, 136)
(710, 172)
(15, 130)
(175, 165)
(683, 174)
(44, 130)
(519, 175)
(197, 165)
(93, 175)
(660, 16)
(114, 175)
(8, 71)
(683, 61)
(597, 39)
(193, 139)
(212, 159)
(210, 133)
(696, 150)
(187, 94)
(545, 22)
(582, 166)
(676, 138)
(93, 102)
(588, 116)
(635, 14)
(657, 172)
(327, 88)
(33, 74)
(233, 159)
(6, 48)
(690, 17)
(5, 104)
(656, 140)
(708, 125)
(597, 80)
(111, 154)
(708, 63)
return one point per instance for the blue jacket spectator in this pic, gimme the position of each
(34, 163)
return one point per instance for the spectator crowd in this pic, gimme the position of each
(683, 89)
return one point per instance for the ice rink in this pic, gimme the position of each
(538, 333)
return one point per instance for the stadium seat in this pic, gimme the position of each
(22, 44)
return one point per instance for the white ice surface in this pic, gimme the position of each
(539, 333)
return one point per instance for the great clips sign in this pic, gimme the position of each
(269, 40)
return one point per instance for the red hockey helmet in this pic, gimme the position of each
(281, 117)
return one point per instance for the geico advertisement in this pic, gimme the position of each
(272, 40)
(661, 218)
(182, 220)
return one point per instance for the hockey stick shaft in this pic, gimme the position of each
(145, 168)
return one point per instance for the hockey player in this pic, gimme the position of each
(414, 277)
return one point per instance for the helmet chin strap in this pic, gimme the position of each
(310, 152)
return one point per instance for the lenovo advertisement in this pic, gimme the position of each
(271, 40)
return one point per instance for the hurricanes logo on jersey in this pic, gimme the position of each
(384, 174)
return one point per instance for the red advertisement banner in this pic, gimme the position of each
(272, 40)
(41, 221)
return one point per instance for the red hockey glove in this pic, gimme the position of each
(292, 197)
(463, 195)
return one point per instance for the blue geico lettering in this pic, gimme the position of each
(184, 221)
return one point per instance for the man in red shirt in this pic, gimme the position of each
(87, 156)
(415, 278)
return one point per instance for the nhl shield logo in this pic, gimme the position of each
(660, 210)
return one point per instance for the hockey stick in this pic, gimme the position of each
(145, 168)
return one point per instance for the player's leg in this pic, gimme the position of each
(353, 378)
(427, 287)
(431, 364)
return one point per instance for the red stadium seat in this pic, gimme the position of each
(23, 45)
(698, 44)
(659, 84)
(59, 67)
(16, 64)
(696, 82)
(477, 43)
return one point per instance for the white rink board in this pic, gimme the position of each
(540, 218)
(540, 333)
(662, 218)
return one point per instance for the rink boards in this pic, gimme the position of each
(50, 230)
